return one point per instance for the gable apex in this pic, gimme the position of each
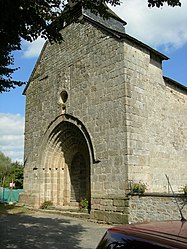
(112, 21)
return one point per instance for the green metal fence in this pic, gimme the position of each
(9, 195)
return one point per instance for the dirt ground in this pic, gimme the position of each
(37, 230)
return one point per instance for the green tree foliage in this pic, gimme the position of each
(15, 175)
(159, 3)
(5, 167)
(29, 19)
(10, 171)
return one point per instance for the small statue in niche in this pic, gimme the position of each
(63, 108)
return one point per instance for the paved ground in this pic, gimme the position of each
(49, 231)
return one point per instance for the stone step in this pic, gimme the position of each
(70, 212)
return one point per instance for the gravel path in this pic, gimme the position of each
(49, 231)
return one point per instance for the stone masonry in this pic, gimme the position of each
(100, 114)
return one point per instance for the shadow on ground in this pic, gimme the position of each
(23, 231)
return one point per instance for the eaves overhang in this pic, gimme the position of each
(143, 45)
(122, 36)
(175, 83)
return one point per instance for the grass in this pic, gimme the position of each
(6, 208)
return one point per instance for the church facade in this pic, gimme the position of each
(100, 116)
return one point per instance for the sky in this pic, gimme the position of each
(164, 29)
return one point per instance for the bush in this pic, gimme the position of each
(83, 204)
(138, 187)
(46, 204)
(185, 189)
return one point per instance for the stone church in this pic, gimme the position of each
(100, 116)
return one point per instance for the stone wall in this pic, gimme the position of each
(110, 209)
(156, 114)
(150, 207)
(167, 137)
(89, 65)
(135, 121)
(139, 208)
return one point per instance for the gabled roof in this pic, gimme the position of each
(111, 21)
(114, 25)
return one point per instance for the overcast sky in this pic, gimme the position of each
(163, 29)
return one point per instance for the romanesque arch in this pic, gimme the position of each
(65, 164)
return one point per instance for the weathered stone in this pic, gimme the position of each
(119, 203)
(117, 218)
(156, 207)
(99, 114)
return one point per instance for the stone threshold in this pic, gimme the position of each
(65, 211)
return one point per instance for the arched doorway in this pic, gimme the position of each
(79, 178)
(66, 166)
